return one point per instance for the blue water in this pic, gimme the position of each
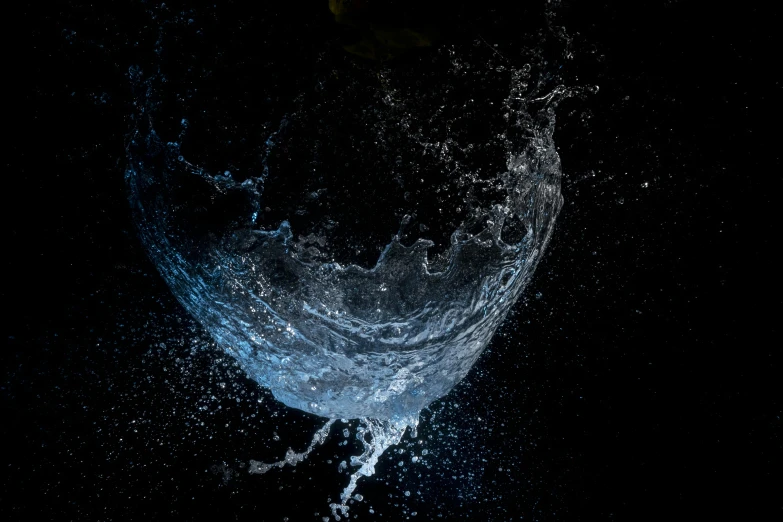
(339, 340)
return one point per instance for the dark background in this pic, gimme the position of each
(638, 378)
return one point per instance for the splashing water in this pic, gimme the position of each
(333, 338)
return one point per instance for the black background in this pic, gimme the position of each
(638, 379)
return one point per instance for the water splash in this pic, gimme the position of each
(340, 340)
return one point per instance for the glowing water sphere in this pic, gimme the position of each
(346, 342)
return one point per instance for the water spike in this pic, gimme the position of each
(291, 458)
(383, 434)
